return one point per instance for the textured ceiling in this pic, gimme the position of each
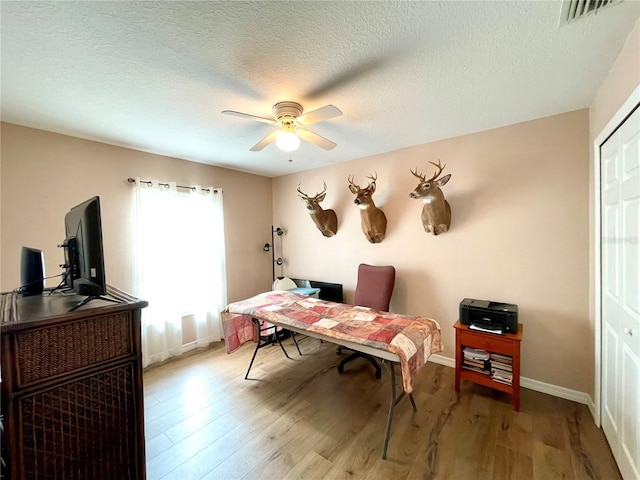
(154, 76)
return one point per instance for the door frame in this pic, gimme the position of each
(618, 118)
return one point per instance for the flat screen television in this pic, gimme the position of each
(84, 258)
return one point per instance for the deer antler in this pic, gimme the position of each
(373, 177)
(323, 190)
(317, 194)
(440, 169)
(350, 179)
(419, 175)
(301, 192)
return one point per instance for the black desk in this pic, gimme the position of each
(328, 291)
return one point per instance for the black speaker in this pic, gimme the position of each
(31, 271)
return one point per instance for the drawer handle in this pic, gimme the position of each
(628, 331)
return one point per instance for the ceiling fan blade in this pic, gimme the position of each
(270, 121)
(265, 141)
(356, 73)
(318, 115)
(316, 139)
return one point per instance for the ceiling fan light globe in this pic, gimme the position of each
(288, 141)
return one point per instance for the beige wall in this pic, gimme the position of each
(623, 78)
(45, 174)
(522, 221)
(519, 233)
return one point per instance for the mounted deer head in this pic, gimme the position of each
(372, 220)
(325, 220)
(436, 212)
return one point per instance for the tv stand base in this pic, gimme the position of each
(93, 297)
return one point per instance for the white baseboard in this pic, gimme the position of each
(555, 390)
(592, 409)
(187, 347)
(442, 360)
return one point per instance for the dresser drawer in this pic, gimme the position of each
(43, 353)
(488, 342)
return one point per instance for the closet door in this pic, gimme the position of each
(620, 211)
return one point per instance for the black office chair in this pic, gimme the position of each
(373, 290)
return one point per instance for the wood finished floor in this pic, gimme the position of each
(299, 419)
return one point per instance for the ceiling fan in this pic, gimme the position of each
(288, 115)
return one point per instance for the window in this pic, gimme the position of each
(179, 265)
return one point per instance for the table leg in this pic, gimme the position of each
(413, 404)
(261, 344)
(293, 335)
(516, 380)
(246, 375)
(392, 404)
(282, 346)
(458, 360)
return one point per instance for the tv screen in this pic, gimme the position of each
(84, 259)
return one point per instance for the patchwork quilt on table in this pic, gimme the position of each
(413, 339)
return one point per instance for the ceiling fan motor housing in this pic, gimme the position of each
(287, 111)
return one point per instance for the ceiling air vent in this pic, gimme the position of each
(575, 9)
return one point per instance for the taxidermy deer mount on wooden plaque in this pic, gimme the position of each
(436, 212)
(372, 220)
(325, 220)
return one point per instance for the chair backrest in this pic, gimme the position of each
(375, 286)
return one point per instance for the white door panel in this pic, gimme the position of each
(610, 259)
(620, 248)
(610, 393)
(630, 257)
(630, 140)
(630, 407)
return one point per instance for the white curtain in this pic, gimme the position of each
(179, 266)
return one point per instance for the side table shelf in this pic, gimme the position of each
(507, 344)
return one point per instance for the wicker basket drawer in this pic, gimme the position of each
(83, 429)
(47, 352)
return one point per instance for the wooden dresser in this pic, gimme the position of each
(72, 399)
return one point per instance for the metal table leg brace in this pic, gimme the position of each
(260, 325)
(394, 399)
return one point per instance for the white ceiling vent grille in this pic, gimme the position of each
(575, 9)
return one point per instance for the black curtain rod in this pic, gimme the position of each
(133, 180)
